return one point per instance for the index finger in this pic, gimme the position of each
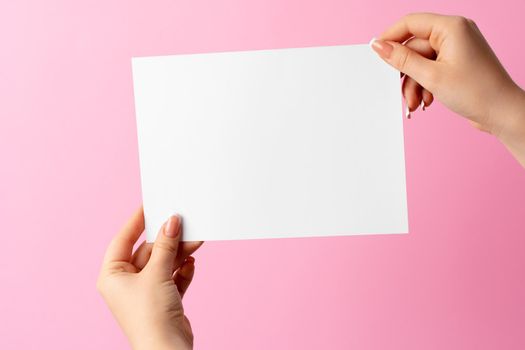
(420, 25)
(121, 247)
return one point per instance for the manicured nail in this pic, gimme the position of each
(382, 48)
(422, 106)
(407, 111)
(172, 227)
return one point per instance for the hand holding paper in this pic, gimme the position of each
(436, 53)
(144, 289)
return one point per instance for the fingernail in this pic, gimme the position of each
(172, 227)
(190, 259)
(423, 106)
(382, 48)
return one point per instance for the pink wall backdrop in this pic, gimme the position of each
(69, 177)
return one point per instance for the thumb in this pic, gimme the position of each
(406, 61)
(165, 247)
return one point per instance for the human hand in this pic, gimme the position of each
(144, 290)
(447, 57)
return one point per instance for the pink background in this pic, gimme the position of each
(69, 178)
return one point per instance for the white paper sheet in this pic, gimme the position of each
(271, 143)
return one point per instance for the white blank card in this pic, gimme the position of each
(271, 143)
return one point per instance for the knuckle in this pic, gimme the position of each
(410, 15)
(403, 59)
(166, 246)
(432, 78)
(407, 18)
(461, 22)
(471, 22)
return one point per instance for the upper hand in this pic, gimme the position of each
(447, 57)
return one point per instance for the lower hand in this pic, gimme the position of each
(144, 290)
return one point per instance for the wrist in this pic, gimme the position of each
(162, 345)
(161, 342)
(508, 119)
(510, 129)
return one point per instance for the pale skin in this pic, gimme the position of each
(448, 58)
(144, 289)
(443, 57)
